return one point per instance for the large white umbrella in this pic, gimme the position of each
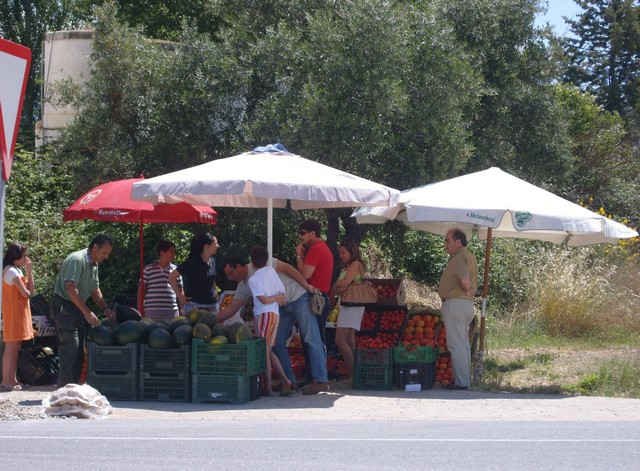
(496, 200)
(497, 204)
(266, 177)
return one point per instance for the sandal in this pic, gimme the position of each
(9, 388)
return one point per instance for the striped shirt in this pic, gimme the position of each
(159, 294)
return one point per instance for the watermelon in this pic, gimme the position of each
(110, 323)
(101, 335)
(219, 340)
(177, 322)
(208, 318)
(160, 338)
(126, 313)
(219, 330)
(129, 332)
(238, 332)
(202, 331)
(182, 335)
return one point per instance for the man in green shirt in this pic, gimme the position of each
(77, 281)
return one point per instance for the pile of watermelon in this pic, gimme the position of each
(200, 324)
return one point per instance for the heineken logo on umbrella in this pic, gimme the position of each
(522, 218)
(482, 217)
(113, 212)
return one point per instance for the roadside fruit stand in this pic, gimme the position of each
(190, 359)
(394, 347)
(195, 359)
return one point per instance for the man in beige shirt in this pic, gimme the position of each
(458, 284)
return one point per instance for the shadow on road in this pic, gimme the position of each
(319, 401)
(445, 394)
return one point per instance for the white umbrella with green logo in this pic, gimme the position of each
(494, 203)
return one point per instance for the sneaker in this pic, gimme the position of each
(315, 388)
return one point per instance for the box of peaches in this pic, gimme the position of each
(390, 291)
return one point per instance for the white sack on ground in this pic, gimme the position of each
(75, 400)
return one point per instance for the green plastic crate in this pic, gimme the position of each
(378, 377)
(122, 359)
(223, 388)
(116, 387)
(247, 358)
(373, 356)
(175, 388)
(165, 361)
(418, 355)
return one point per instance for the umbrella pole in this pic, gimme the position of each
(140, 280)
(270, 228)
(479, 357)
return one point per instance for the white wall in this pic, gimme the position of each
(66, 55)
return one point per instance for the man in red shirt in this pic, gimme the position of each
(314, 261)
(313, 256)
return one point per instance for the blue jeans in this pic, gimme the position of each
(300, 311)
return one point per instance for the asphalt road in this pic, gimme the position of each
(252, 444)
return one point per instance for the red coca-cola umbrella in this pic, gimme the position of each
(111, 202)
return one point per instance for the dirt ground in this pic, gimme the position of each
(547, 369)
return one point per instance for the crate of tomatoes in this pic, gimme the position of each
(390, 291)
(381, 340)
(422, 330)
(382, 319)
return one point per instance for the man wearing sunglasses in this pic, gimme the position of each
(314, 261)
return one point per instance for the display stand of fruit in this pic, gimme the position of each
(226, 298)
(444, 371)
(227, 367)
(415, 357)
(390, 291)
(296, 355)
(421, 330)
(381, 326)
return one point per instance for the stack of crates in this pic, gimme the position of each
(113, 370)
(165, 374)
(414, 367)
(227, 372)
(373, 369)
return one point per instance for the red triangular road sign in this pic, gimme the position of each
(15, 63)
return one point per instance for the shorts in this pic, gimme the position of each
(267, 326)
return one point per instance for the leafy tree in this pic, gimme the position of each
(151, 107)
(163, 19)
(39, 189)
(604, 53)
(518, 125)
(605, 165)
(378, 89)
